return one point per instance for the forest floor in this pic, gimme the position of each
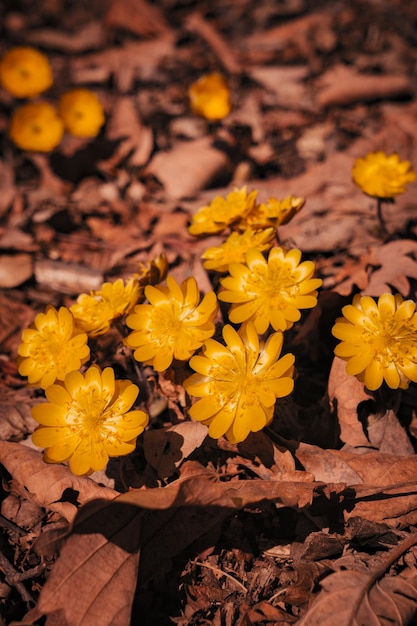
(313, 521)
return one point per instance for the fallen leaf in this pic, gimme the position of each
(188, 167)
(53, 487)
(137, 16)
(88, 37)
(345, 394)
(15, 269)
(366, 597)
(372, 468)
(94, 579)
(398, 263)
(16, 420)
(342, 85)
(165, 449)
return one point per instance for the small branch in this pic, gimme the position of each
(220, 572)
(12, 578)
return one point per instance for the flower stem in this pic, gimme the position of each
(381, 220)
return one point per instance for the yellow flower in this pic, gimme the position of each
(82, 112)
(273, 213)
(173, 326)
(210, 97)
(382, 176)
(239, 383)
(95, 312)
(270, 292)
(235, 247)
(87, 419)
(379, 340)
(51, 347)
(222, 212)
(36, 126)
(25, 72)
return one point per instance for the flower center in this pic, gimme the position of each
(92, 418)
(391, 341)
(277, 284)
(165, 326)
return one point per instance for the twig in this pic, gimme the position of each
(11, 576)
(220, 572)
(216, 42)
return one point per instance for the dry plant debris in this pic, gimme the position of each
(228, 202)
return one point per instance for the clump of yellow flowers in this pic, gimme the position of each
(240, 372)
(39, 126)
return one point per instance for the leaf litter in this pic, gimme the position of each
(315, 520)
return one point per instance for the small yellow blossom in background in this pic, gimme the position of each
(270, 292)
(235, 247)
(51, 347)
(25, 72)
(82, 112)
(173, 326)
(87, 419)
(36, 126)
(239, 382)
(379, 340)
(272, 213)
(223, 212)
(382, 176)
(210, 97)
(95, 312)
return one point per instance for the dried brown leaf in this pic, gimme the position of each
(133, 59)
(358, 596)
(16, 420)
(342, 85)
(53, 487)
(398, 263)
(90, 36)
(94, 580)
(15, 269)
(188, 167)
(137, 16)
(345, 394)
(125, 125)
(165, 449)
(394, 506)
(372, 468)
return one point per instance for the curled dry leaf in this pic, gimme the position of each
(135, 139)
(371, 468)
(165, 449)
(363, 597)
(50, 486)
(345, 395)
(394, 506)
(16, 420)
